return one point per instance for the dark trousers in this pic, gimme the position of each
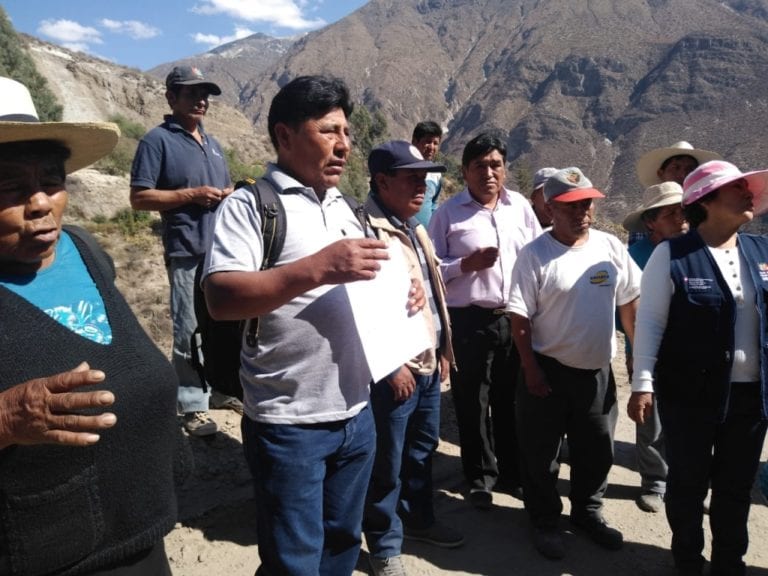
(483, 391)
(583, 406)
(152, 562)
(725, 455)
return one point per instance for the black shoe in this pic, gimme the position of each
(599, 532)
(549, 543)
(438, 534)
(481, 498)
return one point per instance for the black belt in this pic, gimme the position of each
(472, 309)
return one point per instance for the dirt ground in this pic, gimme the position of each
(216, 533)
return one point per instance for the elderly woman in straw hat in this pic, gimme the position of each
(87, 402)
(701, 350)
(660, 217)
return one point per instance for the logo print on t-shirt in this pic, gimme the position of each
(600, 277)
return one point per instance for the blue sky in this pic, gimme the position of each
(145, 33)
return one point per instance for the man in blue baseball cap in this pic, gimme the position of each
(406, 404)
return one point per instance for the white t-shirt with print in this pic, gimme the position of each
(570, 294)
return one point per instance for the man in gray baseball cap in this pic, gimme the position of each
(566, 286)
(540, 207)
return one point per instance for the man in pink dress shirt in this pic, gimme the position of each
(477, 235)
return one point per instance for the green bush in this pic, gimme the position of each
(130, 222)
(118, 162)
(240, 170)
(128, 128)
(17, 64)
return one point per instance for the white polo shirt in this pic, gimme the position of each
(309, 365)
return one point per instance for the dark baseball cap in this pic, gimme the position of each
(189, 76)
(399, 155)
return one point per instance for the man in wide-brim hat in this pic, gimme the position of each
(672, 163)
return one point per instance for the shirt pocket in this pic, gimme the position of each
(52, 529)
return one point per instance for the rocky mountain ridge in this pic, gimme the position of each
(94, 89)
(593, 83)
(235, 65)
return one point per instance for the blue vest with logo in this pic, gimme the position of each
(696, 352)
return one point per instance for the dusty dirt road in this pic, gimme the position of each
(216, 534)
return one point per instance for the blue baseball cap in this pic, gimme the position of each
(399, 155)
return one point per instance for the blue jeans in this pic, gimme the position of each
(310, 483)
(407, 434)
(181, 276)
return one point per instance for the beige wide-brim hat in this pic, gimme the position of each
(656, 196)
(19, 122)
(649, 163)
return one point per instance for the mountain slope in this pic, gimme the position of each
(593, 83)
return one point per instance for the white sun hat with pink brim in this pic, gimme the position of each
(717, 173)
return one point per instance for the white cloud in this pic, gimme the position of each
(133, 28)
(212, 40)
(281, 13)
(70, 34)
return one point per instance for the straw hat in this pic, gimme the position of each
(650, 162)
(715, 174)
(87, 141)
(656, 196)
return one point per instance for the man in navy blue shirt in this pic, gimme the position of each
(180, 171)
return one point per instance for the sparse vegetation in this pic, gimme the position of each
(128, 223)
(240, 170)
(367, 131)
(119, 161)
(521, 177)
(17, 64)
(128, 128)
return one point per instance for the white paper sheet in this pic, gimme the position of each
(390, 337)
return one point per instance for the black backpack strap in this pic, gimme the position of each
(103, 260)
(272, 213)
(273, 227)
(360, 213)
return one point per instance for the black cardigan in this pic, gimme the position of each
(72, 510)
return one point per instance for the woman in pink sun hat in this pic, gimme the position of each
(701, 351)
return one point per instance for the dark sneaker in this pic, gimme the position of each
(598, 530)
(549, 543)
(199, 424)
(650, 502)
(438, 534)
(481, 498)
(392, 566)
